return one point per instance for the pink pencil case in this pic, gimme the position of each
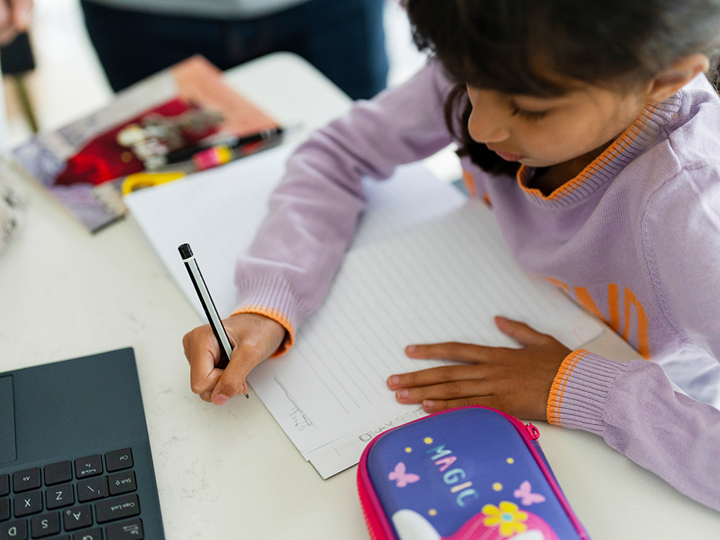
(471, 473)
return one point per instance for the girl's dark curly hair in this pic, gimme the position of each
(533, 47)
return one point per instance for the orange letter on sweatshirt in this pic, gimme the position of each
(643, 346)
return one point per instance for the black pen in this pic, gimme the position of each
(208, 305)
(184, 154)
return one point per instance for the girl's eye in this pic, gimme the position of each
(529, 115)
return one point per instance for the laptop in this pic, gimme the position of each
(75, 461)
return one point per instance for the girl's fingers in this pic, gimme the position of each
(233, 378)
(520, 332)
(266, 336)
(446, 391)
(467, 352)
(461, 352)
(201, 351)
(431, 376)
(208, 383)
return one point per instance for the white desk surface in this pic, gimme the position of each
(230, 472)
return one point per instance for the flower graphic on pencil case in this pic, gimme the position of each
(526, 496)
(508, 516)
(402, 478)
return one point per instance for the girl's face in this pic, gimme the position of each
(542, 132)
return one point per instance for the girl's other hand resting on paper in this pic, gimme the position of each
(254, 338)
(515, 381)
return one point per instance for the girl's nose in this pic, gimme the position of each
(488, 119)
(487, 130)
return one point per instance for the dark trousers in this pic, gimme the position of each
(344, 39)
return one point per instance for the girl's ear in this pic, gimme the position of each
(675, 77)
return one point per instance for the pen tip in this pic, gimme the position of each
(247, 397)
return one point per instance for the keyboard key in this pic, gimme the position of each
(123, 482)
(45, 525)
(59, 497)
(92, 488)
(14, 530)
(58, 473)
(117, 508)
(131, 529)
(77, 517)
(28, 503)
(4, 485)
(88, 466)
(4, 509)
(117, 460)
(26, 480)
(90, 534)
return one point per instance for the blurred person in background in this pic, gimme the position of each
(344, 39)
(15, 17)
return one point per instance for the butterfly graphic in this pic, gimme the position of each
(524, 492)
(402, 478)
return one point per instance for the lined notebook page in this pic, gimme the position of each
(444, 280)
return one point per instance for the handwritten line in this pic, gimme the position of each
(287, 395)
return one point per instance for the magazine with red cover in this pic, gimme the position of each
(84, 163)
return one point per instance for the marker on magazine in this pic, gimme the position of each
(208, 305)
(229, 143)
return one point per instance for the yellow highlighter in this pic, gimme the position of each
(142, 180)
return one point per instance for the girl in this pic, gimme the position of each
(594, 133)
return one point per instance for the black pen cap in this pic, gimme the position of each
(185, 251)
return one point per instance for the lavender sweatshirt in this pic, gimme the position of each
(635, 239)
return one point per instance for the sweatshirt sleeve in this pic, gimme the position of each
(313, 213)
(632, 405)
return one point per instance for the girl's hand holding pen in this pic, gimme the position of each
(253, 337)
(516, 381)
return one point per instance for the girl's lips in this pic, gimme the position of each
(508, 157)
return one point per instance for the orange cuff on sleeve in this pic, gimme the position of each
(469, 182)
(277, 316)
(554, 403)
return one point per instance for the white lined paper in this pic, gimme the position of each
(407, 279)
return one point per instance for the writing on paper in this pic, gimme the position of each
(394, 422)
(300, 419)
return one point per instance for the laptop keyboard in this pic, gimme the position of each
(90, 498)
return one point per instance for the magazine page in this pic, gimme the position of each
(129, 144)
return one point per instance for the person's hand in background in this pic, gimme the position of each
(15, 17)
